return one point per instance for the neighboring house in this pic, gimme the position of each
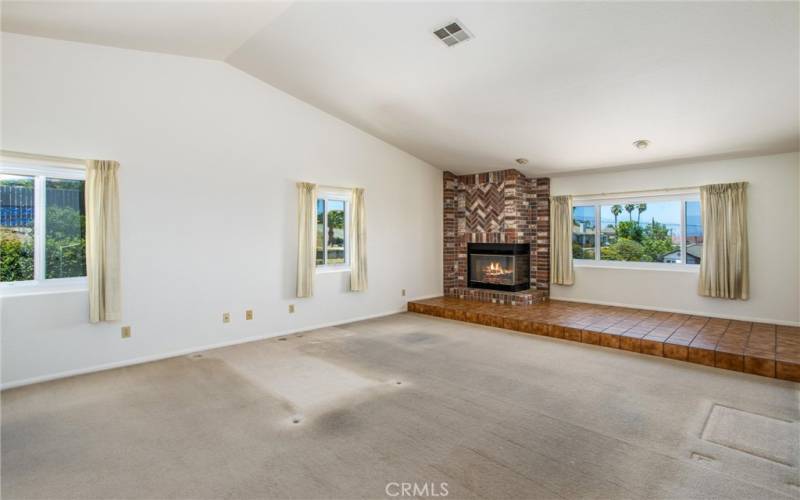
(582, 233)
(694, 252)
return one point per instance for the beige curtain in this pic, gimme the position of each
(724, 267)
(561, 240)
(358, 242)
(102, 240)
(306, 238)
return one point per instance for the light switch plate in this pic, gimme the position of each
(248, 314)
(126, 332)
(291, 308)
(226, 317)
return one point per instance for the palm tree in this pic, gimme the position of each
(629, 209)
(642, 207)
(335, 221)
(616, 210)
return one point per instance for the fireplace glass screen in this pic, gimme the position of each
(493, 269)
(499, 266)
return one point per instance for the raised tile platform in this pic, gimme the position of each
(757, 348)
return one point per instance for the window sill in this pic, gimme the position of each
(639, 266)
(66, 285)
(332, 269)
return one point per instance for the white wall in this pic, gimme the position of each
(774, 237)
(209, 157)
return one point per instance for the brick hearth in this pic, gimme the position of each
(524, 298)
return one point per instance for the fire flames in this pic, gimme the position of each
(495, 268)
(496, 273)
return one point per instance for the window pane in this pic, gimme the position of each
(335, 236)
(16, 227)
(694, 233)
(320, 232)
(583, 225)
(65, 223)
(641, 232)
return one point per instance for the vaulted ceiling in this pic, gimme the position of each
(567, 85)
(211, 30)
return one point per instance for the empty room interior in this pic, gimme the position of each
(359, 250)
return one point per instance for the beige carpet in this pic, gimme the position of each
(342, 412)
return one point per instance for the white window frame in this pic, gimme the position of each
(646, 197)
(40, 172)
(334, 194)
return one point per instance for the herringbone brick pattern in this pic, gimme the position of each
(484, 206)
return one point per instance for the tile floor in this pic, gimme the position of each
(757, 348)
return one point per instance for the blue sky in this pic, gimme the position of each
(665, 212)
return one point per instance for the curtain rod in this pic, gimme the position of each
(31, 156)
(640, 191)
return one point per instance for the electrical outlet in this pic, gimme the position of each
(126, 332)
(403, 292)
(291, 308)
(226, 317)
(248, 314)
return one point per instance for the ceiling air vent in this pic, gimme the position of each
(452, 34)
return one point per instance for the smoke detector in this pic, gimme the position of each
(641, 144)
(453, 33)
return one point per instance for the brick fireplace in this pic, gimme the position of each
(496, 207)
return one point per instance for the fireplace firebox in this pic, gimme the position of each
(499, 266)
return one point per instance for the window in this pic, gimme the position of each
(332, 212)
(42, 224)
(694, 232)
(583, 229)
(657, 230)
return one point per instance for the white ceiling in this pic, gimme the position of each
(567, 85)
(211, 30)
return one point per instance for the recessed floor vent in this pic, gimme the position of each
(452, 34)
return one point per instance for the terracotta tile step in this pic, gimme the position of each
(756, 348)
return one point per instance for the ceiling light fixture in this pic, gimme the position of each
(522, 161)
(641, 144)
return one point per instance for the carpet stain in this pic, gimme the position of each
(493, 415)
(337, 422)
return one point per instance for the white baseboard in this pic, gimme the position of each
(190, 350)
(681, 311)
(424, 297)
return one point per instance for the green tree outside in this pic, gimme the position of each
(630, 208)
(16, 258)
(65, 245)
(616, 210)
(65, 240)
(632, 242)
